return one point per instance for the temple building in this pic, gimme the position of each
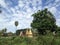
(29, 33)
(25, 32)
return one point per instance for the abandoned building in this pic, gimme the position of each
(24, 32)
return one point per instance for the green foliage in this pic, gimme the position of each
(0, 11)
(39, 40)
(3, 32)
(58, 28)
(16, 23)
(43, 20)
(17, 32)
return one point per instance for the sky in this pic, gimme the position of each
(21, 11)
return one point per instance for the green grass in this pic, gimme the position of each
(39, 40)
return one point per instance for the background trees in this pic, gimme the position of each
(43, 20)
(3, 32)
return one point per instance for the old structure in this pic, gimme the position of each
(25, 32)
(29, 33)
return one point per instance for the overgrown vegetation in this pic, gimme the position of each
(43, 20)
(48, 39)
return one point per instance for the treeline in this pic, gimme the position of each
(4, 33)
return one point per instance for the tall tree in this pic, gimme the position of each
(43, 20)
(16, 23)
(0, 9)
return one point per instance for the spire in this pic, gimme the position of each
(29, 33)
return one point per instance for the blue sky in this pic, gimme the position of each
(21, 11)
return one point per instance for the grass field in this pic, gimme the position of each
(38, 40)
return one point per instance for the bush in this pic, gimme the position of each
(39, 40)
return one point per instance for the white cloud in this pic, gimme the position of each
(21, 4)
(2, 3)
(53, 10)
(22, 13)
(12, 9)
(58, 22)
(57, 0)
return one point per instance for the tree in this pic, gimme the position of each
(58, 28)
(0, 10)
(19, 31)
(43, 20)
(4, 30)
(16, 23)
